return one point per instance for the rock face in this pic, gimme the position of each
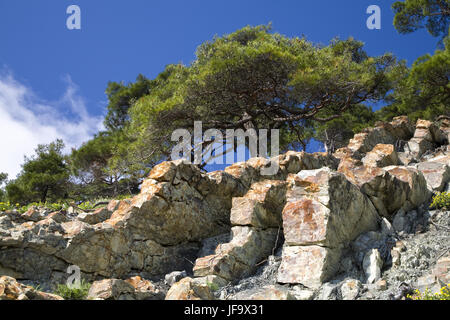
(319, 215)
(324, 212)
(257, 221)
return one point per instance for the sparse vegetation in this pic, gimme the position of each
(441, 201)
(73, 292)
(212, 286)
(443, 294)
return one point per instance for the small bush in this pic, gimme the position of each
(443, 294)
(73, 292)
(212, 286)
(441, 200)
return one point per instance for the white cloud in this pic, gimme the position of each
(26, 121)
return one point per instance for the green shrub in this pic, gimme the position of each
(73, 292)
(441, 200)
(212, 286)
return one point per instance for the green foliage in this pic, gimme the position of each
(254, 78)
(337, 132)
(411, 15)
(212, 286)
(97, 170)
(424, 91)
(44, 176)
(3, 180)
(121, 97)
(443, 294)
(441, 200)
(79, 292)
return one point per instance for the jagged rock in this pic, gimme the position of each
(175, 276)
(302, 294)
(386, 133)
(372, 265)
(389, 188)
(10, 289)
(190, 289)
(183, 213)
(324, 208)
(111, 289)
(257, 221)
(323, 214)
(261, 205)
(100, 214)
(428, 282)
(350, 289)
(381, 285)
(329, 291)
(442, 270)
(382, 155)
(144, 289)
(291, 162)
(436, 172)
(426, 137)
(239, 257)
(309, 265)
(271, 292)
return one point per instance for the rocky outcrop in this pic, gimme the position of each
(134, 288)
(324, 212)
(256, 219)
(10, 289)
(318, 216)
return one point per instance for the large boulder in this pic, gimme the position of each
(382, 155)
(256, 219)
(436, 172)
(260, 207)
(389, 188)
(400, 129)
(323, 214)
(239, 257)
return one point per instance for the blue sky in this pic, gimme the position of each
(52, 80)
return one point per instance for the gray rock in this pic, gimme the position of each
(350, 289)
(372, 265)
(175, 276)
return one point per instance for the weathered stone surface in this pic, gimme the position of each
(308, 265)
(323, 214)
(302, 294)
(238, 258)
(382, 155)
(100, 214)
(442, 270)
(372, 265)
(190, 289)
(324, 208)
(436, 172)
(183, 213)
(426, 137)
(389, 188)
(111, 289)
(350, 289)
(134, 288)
(10, 289)
(270, 292)
(261, 205)
(385, 133)
(175, 276)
